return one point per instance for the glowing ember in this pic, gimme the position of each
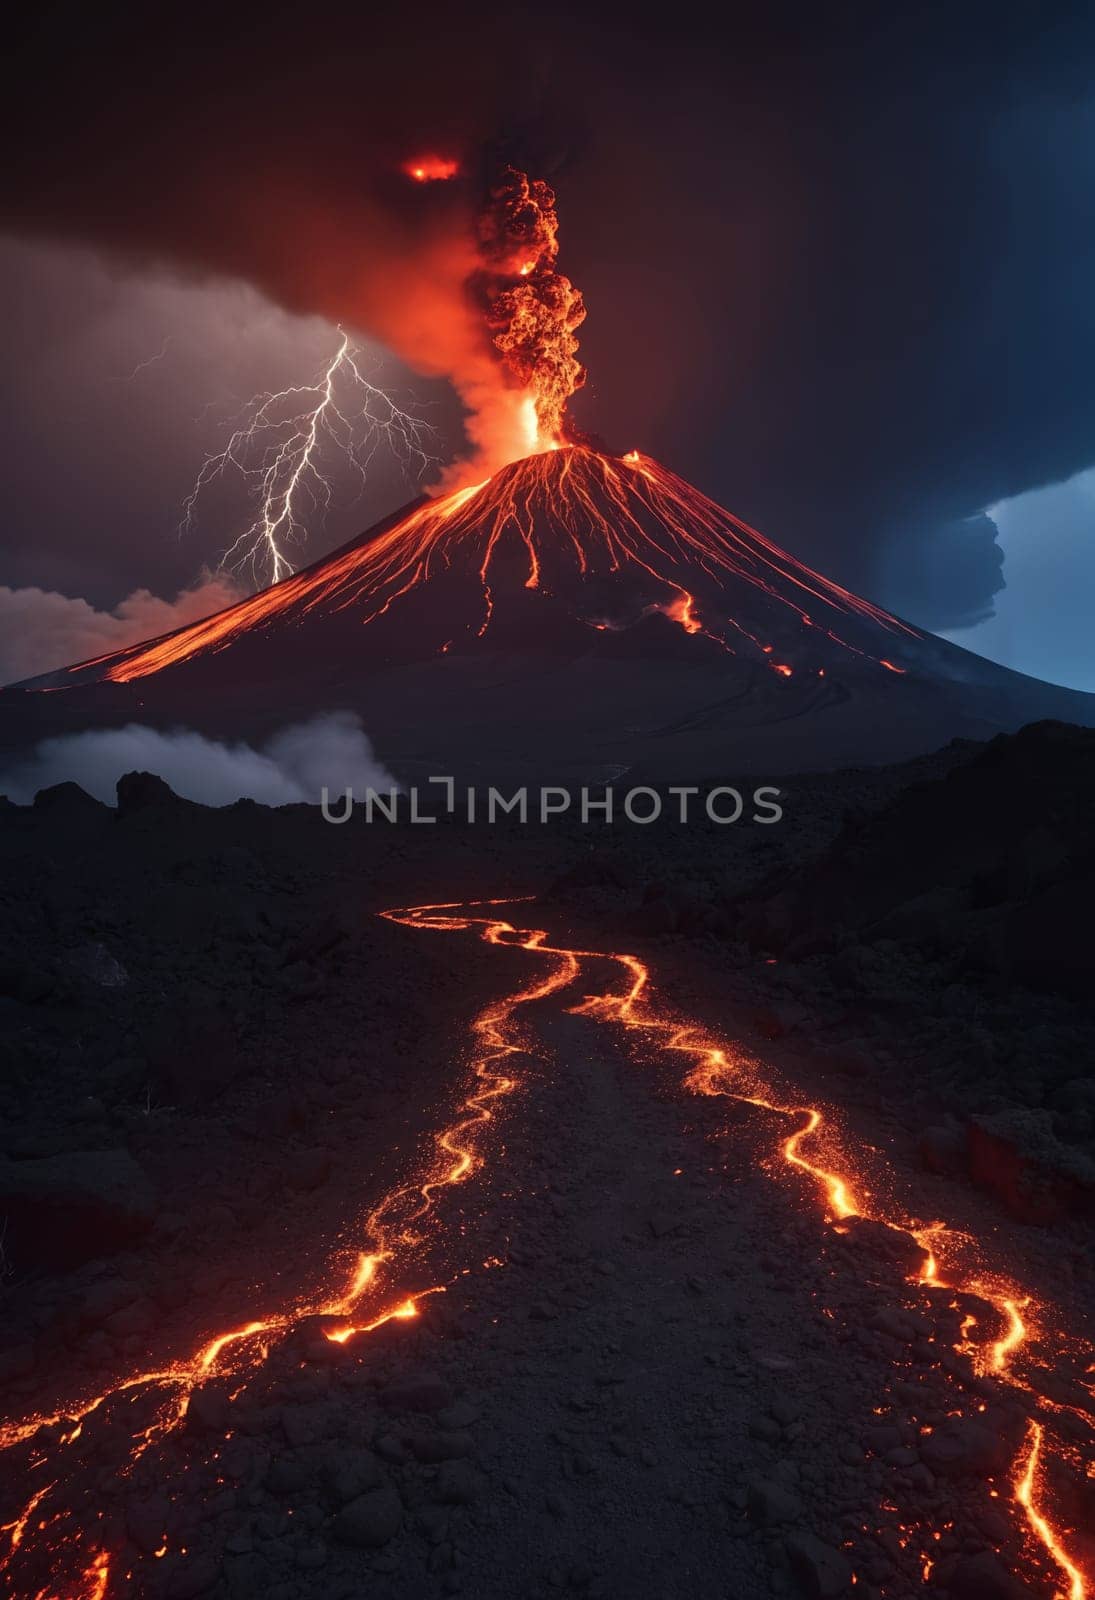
(431, 169)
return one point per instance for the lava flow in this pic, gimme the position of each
(717, 1070)
(608, 533)
(62, 1545)
(59, 1543)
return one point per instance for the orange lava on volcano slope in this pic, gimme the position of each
(575, 517)
(717, 1070)
(142, 1410)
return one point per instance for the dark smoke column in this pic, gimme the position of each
(532, 310)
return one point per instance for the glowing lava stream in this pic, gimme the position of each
(716, 1070)
(393, 1232)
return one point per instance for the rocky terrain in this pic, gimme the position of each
(648, 1355)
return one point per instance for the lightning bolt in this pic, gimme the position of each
(278, 451)
(149, 361)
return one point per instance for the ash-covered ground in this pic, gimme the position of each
(657, 1363)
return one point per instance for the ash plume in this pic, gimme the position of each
(532, 310)
(358, 203)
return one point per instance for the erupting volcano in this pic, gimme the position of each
(616, 539)
(576, 608)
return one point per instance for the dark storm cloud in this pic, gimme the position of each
(951, 571)
(837, 260)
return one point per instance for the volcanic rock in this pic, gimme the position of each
(423, 1392)
(457, 1484)
(891, 1245)
(820, 1571)
(68, 803)
(288, 1474)
(943, 1148)
(308, 1169)
(771, 1502)
(208, 1409)
(66, 1209)
(964, 862)
(146, 1521)
(1016, 1155)
(94, 963)
(370, 1520)
(965, 1447)
(139, 790)
(440, 1446)
(982, 1577)
(193, 1577)
(350, 1474)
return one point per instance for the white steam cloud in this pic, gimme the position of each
(41, 630)
(294, 765)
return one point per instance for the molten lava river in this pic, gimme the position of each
(97, 1492)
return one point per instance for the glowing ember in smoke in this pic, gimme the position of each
(532, 310)
(431, 169)
(278, 454)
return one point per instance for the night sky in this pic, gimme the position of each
(838, 265)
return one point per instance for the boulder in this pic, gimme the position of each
(984, 1577)
(67, 802)
(771, 1502)
(966, 1447)
(138, 790)
(64, 1210)
(1016, 1155)
(820, 1571)
(351, 1473)
(420, 1392)
(943, 1149)
(457, 1484)
(889, 1246)
(370, 1520)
